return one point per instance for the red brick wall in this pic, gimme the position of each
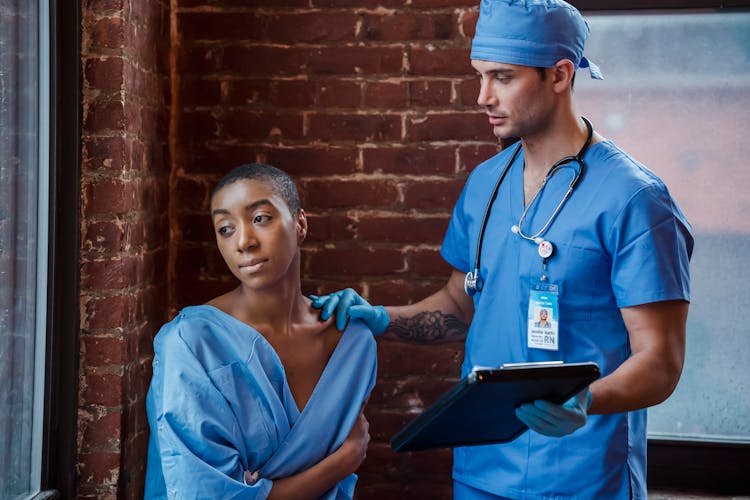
(371, 106)
(125, 235)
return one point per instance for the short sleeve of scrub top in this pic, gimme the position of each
(460, 242)
(652, 244)
(456, 240)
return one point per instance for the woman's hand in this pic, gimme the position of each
(321, 477)
(354, 448)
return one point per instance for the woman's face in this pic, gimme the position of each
(256, 233)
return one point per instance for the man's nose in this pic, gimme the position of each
(486, 98)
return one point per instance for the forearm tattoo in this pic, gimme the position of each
(429, 327)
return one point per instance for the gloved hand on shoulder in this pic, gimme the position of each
(556, 420)
(348, 304)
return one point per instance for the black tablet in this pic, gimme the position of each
(480, 409)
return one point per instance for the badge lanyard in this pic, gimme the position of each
(543, 321)
(546, 248)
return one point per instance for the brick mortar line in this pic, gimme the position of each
(113, 293)
(347, 144)
(432, 45)
(319, 77)
(377, 11)
(121, 95)
(359, 110)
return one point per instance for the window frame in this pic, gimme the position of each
(714, 467)
(604, 5)
(708, 466)
(59, 449)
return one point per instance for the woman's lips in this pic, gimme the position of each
(252, 266)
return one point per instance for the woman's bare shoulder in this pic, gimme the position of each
(224, 302)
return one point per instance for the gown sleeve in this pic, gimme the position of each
(198, 440)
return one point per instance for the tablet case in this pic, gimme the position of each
(480, 409)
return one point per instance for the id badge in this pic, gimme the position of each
(543, 318)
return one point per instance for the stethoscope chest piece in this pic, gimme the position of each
(473, 283)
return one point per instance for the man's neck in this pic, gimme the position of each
(564, 137)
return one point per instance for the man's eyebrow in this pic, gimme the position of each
(252, 206)
(495, 71)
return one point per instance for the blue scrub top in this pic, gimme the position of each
(620, 240)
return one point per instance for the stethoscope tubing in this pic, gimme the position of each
(491, 202)
(473, 282)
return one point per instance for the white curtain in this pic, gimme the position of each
(19, 175)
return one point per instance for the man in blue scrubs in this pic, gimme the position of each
(598, 242)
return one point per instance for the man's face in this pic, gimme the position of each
(515, 98)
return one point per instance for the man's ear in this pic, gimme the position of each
(301, 225)
(562, 76)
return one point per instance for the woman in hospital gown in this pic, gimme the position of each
(252, 396)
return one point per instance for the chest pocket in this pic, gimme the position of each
(244, 393)
(583, 276)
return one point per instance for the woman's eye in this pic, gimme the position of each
(261, 218)
(223, 230)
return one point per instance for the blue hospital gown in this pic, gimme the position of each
(220, 409)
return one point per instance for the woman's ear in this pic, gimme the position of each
(301, 225)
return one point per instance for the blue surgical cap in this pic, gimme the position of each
(534, 33)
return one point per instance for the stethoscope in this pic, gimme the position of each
(473, 282)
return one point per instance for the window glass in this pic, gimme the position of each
(22, 241)
(676, 96)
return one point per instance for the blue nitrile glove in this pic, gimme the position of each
(556, 420)
(348, 304)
